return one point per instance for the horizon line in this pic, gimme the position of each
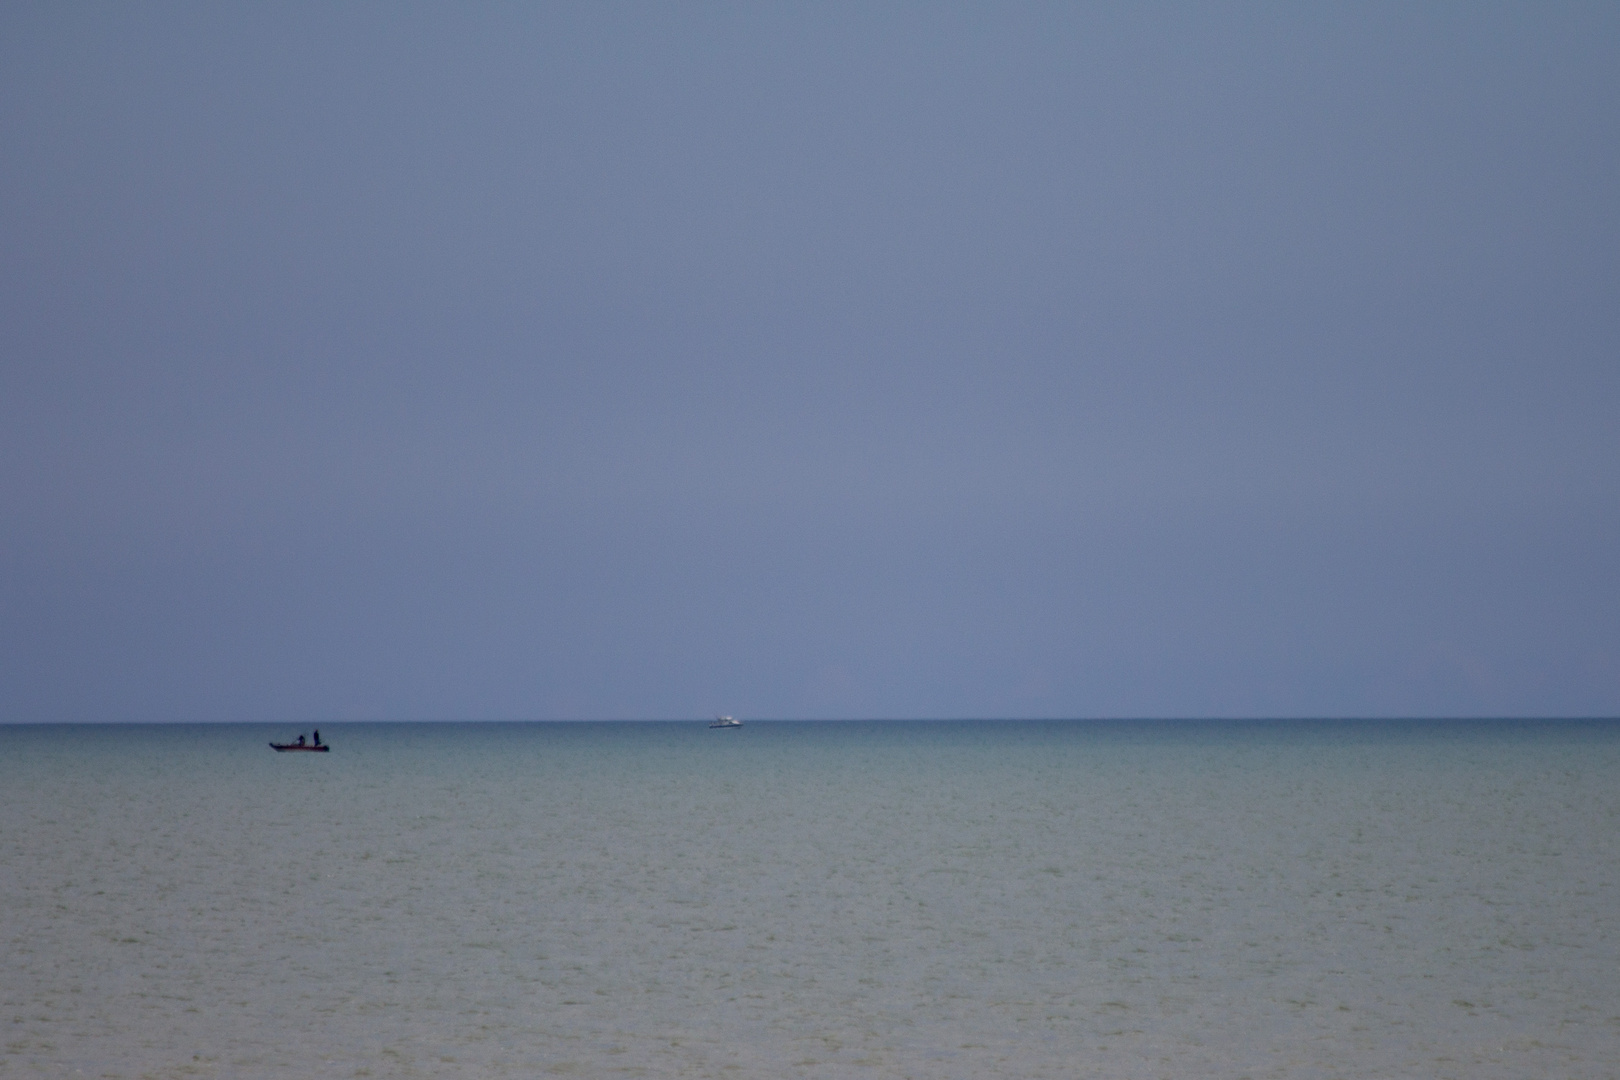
(840, 719)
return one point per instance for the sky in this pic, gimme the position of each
(623, 360)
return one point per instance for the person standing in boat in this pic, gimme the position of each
(317, 736)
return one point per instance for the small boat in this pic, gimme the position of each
(725, 722)
(301, 747)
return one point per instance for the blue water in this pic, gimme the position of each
(988, 899)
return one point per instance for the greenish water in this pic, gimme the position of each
(989, 899)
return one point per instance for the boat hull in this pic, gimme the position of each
(294, 748)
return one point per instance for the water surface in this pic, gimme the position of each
(984, 900)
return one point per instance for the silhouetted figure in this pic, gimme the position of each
(300, 740)
(317, 736)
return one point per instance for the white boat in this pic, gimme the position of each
(725, 722)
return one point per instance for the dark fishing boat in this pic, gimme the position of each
(300, 746)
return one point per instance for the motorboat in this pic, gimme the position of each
(725, 722)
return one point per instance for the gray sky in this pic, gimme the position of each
(623, 360)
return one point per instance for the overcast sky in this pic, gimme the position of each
(658, 360)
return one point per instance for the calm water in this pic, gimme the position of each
(953, 900)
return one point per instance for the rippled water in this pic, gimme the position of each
(818, 900)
